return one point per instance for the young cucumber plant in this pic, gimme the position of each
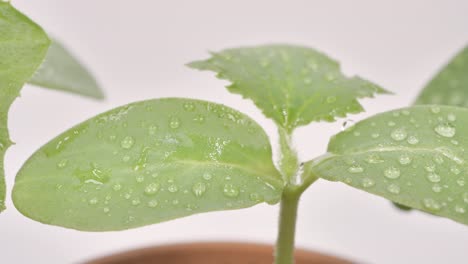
(157, 160)
(24, 47)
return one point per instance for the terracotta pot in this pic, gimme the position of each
(212, 253)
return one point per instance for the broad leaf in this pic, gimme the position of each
(23, 46)
(62, 71)
(148, 162)
(450, 85)
(293, 85)
(415, 157)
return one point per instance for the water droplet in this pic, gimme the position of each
(93, 201)
(392, 173)
(152, 129)
(172, 188)
(391, 123)
(174, 122)
(230, 190)
(152, 188)
(438, 159)
(347, 124)
(445, 130)
(399, 134)
(374, 159)
(207, 176)
(393, 188)
(405, 159)
(127, 142)
(461, 182)
(152, 203)
(435, 109)
(199, 119)
(140, 178)
(199, 189)
(62, 164)
(465, 197)
(451, 117)
(430, 168)
(455, 170)
(93, 175)
(355, 169)
(136, 201)
(436, 188)
(117, 187)
(189, 106)
(431, 204)
(106, 210)
(126, 158)
(413, 140)
(175, 202)
(254, 197)
(367, 183)
(141, 162)
(459, 209)
(433, 177)
(375, 135)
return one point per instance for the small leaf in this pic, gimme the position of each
(293, 85)
(23, 46)
(450, 85)
(148, 162)
(415, 157)
(62, 71)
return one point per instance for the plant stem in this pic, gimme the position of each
(284, 251)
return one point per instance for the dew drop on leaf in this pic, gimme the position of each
(117, 187)
(374, 159)
(230, 190)
(399, 134)
(93, 201)
(172, 188)
(445, 130)
(367, 183)
(62, 164)
(433, 177)
(127, 142)
(459, 209)
(207, 176)
(393, 188)
(404, 159)
(392, 173)
(174, 122)
(152, 203)
(355, 169)
(413, 140)
(436, 188)
(431, 204)
(199, 189)
(152, 188)
(189, 107)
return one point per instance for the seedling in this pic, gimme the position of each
(161, 159)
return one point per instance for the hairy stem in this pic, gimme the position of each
(284, 252)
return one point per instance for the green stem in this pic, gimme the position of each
(284, 252)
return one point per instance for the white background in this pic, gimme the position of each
(137, 50)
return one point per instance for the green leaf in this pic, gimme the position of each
(62, 71)
(23, 46)
(415, 157)
(148, 162)
(293, 85)
(450, 85)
